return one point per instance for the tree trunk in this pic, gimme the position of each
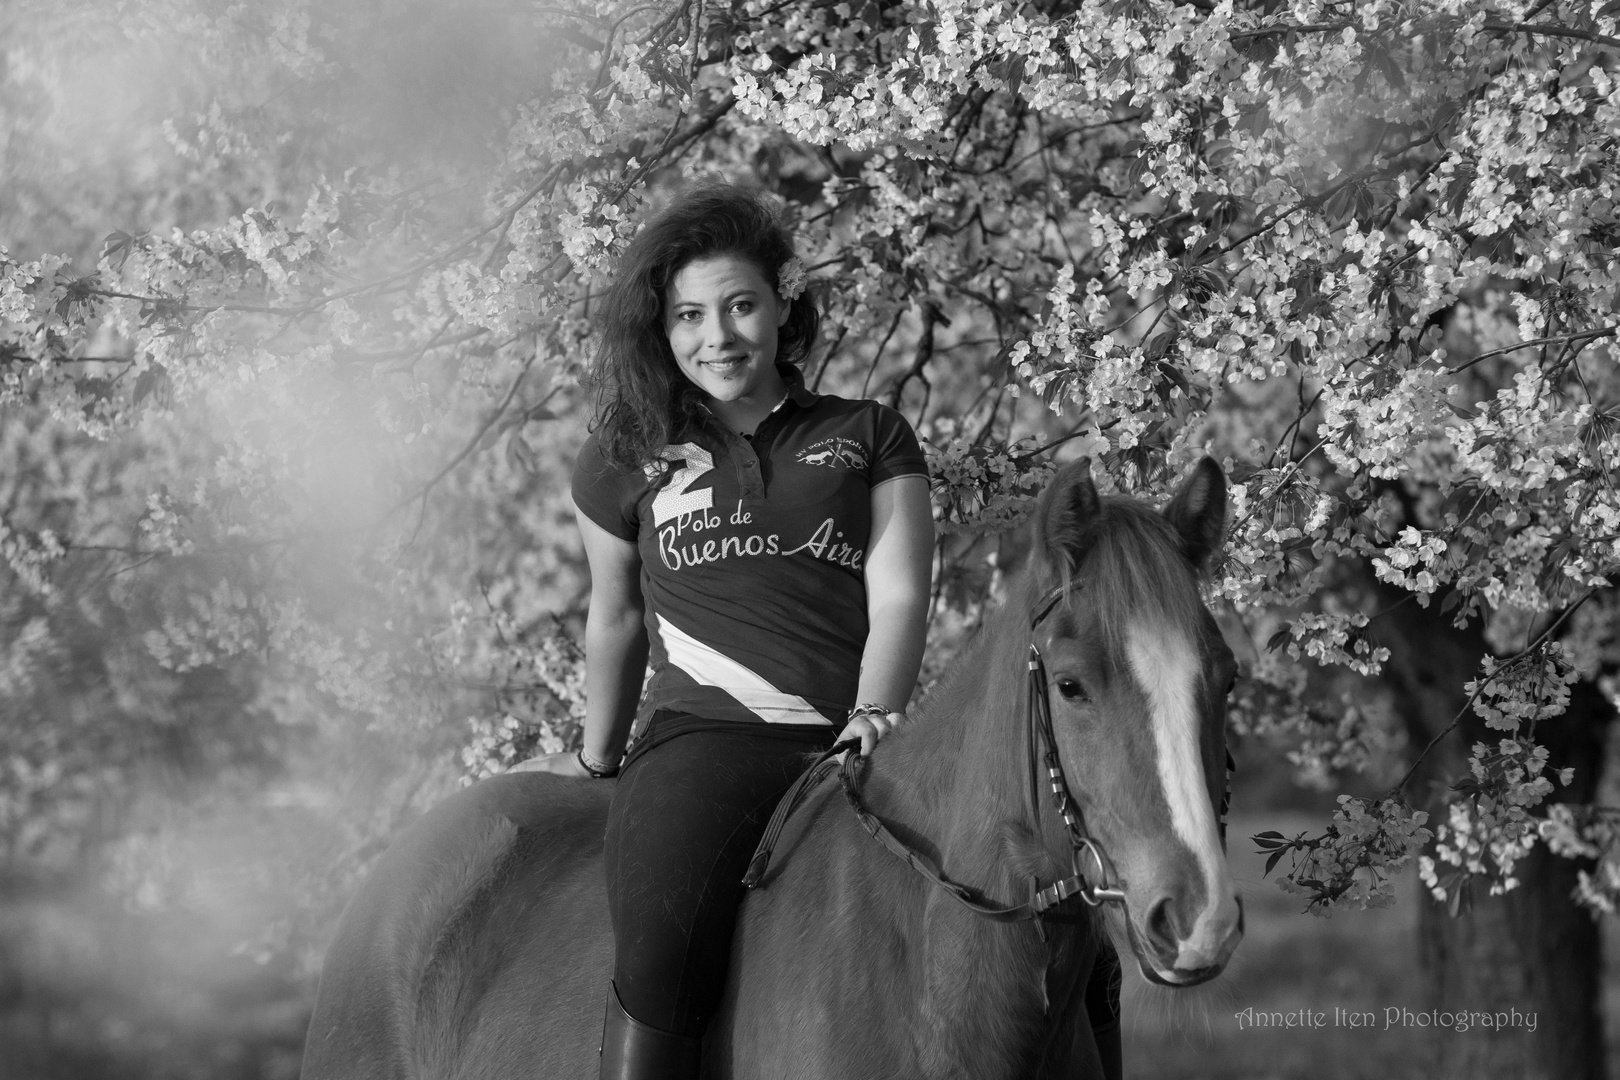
(1531, 957)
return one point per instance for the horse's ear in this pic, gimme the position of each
(1065, 515)
(1198, 512)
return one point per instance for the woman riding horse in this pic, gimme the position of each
(768, 549)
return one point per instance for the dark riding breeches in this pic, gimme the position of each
(689, 807)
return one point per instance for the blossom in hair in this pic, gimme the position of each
(790, 279)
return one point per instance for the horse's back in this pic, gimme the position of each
(479, 945)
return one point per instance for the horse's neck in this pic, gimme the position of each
(959, 775)
(957, 783)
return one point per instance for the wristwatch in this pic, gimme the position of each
(599, 770)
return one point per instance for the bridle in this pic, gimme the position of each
(1039, 730)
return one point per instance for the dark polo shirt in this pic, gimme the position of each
(752, 554)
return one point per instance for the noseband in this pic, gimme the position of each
(1042, 900)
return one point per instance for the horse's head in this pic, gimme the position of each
(1137, 678)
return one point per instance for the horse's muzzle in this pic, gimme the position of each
(1170, 957)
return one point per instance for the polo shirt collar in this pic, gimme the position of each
(797, 392)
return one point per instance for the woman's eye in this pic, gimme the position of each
(742, 307)
(1071, 690)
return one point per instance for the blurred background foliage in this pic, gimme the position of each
(209, 728)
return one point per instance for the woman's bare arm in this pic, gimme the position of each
(615, 650)
(898, 561)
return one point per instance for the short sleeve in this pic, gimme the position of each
(895, 450)
(607, 496)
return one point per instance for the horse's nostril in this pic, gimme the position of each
(1160, 925)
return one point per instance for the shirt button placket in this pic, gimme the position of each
(748, 476)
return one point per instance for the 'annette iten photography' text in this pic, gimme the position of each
(1392, 1016)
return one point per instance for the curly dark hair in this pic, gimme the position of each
(642, 397)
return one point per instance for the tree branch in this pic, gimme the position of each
(1533, 343)
(1543, 30)
(924, 352)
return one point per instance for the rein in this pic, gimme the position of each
(1039, 716)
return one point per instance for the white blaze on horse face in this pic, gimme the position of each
(1166, 666)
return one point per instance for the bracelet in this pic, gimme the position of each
(870, 708)
(599, 770)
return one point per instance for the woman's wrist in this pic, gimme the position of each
(869, 708)
(599, 770)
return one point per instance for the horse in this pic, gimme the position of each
(479, 947)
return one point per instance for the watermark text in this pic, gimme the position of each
(1393, 1016)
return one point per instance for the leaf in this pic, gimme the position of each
(1204, 243)
(154, 380)
(1133, 174)
(1280, 638)
(1338, 204)
(1457, 191)
(117, 247)
(1015, 75)
(520, 455)
(1391, 70)
(1271, 863)
(1260, 48)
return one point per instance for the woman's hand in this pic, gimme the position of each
(563, 763)
(870, 729)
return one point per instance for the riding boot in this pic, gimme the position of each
(632, 1050)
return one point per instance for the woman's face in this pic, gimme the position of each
(721, 316)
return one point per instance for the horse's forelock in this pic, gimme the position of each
(1131, 566)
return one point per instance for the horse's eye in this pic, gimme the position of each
(1071, 690)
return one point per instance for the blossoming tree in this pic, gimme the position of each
(1364, 253)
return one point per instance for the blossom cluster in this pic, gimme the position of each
(1588, 833)
(553, 717)
(1490, 826)
(1353, 861)
(978, 487)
